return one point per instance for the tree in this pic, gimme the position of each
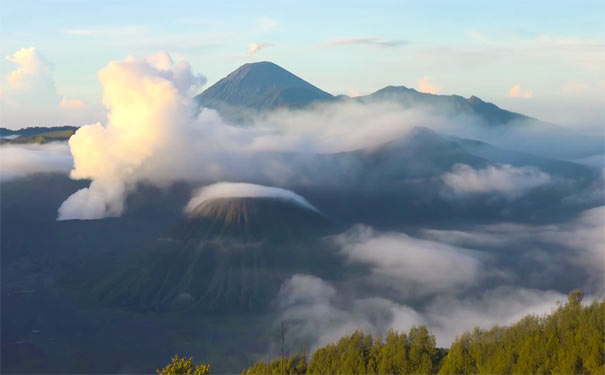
(184, 366)
(571, 340)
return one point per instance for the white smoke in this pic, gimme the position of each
(243, 190)
(150, 117)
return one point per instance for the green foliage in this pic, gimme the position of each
(361, 353)
(571, 340)
(294, 365)
(40, 138)
(183, 366)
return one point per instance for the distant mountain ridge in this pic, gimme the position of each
(261, 86)
(265, 85)
(36, 134)
(449, 104)
(35, 130)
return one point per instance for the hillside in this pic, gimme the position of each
(568, 341)
(37, 135)
(231, 256)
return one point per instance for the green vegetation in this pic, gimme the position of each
(37, 134)
(293, 365)
(359, 353)
(571, 340)
(182, 366)
(41, 138)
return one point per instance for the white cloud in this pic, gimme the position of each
(32, 71)
(31, 85)
(156, 135)
(316, 313)
(338, 127)
(582, 237)
(503, 179)
(353, 92)
(410, 265)
(516, 92)
(448, 317)
(31, 81)
(253, 48)
(366, 42)
(427, 86)
(243, 190)
(71, 103)
(18, 161)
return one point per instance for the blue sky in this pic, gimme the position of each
(553, 52)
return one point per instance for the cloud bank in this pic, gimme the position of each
(411, 265)
(554, 248)
(18, 161)
(317, 313)
(504, 179)
(156, 134)
(244, 190)
(317, 316)
(439, 283)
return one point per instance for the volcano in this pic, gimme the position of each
(229, 255)
(260, 86)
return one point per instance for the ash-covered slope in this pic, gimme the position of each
(231, 255)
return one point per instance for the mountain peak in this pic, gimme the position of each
(261, 85)
(265, 73)
(265, 85)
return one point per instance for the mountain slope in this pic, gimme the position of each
(232, 255)
(503, 156)
(265, 86)
(446, 104)
(36, 134)
(259, 86)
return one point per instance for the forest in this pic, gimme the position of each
(570, 340)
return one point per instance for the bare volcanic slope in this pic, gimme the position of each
(227, 255)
